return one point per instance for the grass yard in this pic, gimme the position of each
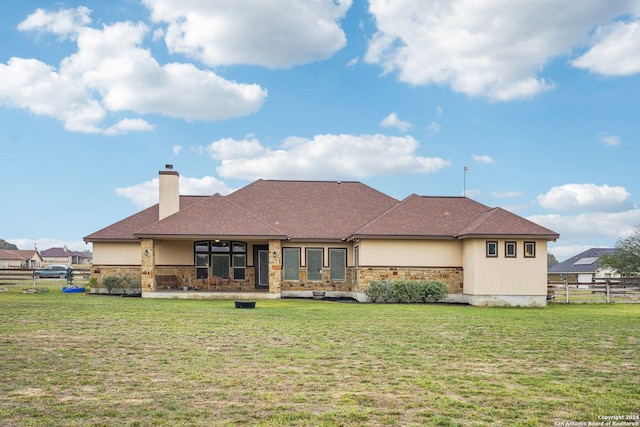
(81, 360)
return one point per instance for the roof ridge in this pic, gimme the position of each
(477, 222)
(399, 203)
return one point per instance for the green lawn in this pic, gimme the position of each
(74, 359)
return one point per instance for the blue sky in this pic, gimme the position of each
(539, 99)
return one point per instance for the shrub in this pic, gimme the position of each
(406, 291)
(125, 283)
(111, 283)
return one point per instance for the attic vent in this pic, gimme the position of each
(586, 261)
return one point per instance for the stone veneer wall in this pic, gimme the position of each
(101, 271)
(275, 271)
(453, 277)
(147, 266)
(325, 285)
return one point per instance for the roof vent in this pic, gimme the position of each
(169, 167)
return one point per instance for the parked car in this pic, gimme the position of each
(57, 271)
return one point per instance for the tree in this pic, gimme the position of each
(6, 245)
(551, 260)
(626, 258)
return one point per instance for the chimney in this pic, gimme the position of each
(169, 192)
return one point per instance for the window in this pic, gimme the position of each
(510, 249)
(314, 264)
(238, 260)
(217, 256)
(338, 264)
(291, 263)
(492, 249)
(529, 249)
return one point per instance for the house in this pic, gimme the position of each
(15, 258)
(291, 238)
(64, 256)
(583, 268)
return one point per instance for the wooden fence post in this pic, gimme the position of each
(608, 292)
(566, 289)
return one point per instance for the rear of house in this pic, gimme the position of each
(291, 238)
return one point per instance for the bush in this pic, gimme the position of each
(406, 291)
(125, 283)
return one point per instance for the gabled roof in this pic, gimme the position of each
(63, 252)
(124, 230)
(497, 222)
(308, 210)
(423, 216)
(321, 210)
(17, 254)
(213, 216)
(585, 262)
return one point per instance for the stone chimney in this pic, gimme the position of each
(169, 192)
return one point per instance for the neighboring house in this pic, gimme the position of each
(10, 258)
(65, 256)
(582, 268)
(290, 238)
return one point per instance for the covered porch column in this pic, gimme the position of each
(148, 266)
(275, 271)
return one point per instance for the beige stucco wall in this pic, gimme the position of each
(116, 253)
(410, 253)
(504, 276)
(174, 252)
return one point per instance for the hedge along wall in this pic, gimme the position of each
(453, 277)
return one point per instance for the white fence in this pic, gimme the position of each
(612, 291)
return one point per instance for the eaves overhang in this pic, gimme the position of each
(548, 237)
(399, 237)
(210, 236)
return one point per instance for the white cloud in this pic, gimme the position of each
(323, 157)
(37, 87)
(112, 72)
(146, 193)
(128, 125)
(591, 197)
(113, 62)
(611, 140)
(439, 111)
(275, 34)
(494, 48)
(177, 149)
(593, 226)
(615, 52)
(64, 23)
(434, 126)
(482, 159)
(392, 120)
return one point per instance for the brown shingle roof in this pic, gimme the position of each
(17, 254)
(499, 222)
(213, 216)
(124, 230)
(424, 216)
(321, 210)
(327, 210)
